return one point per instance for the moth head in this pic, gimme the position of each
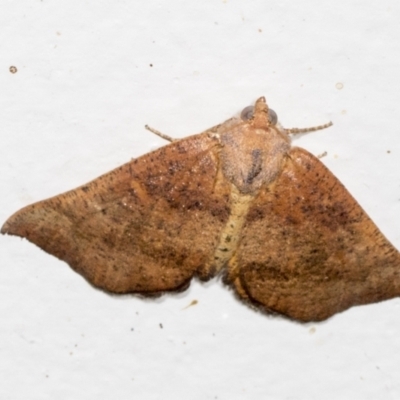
(259, 115)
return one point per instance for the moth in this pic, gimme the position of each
(235, 200)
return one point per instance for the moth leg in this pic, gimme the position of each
(231, 277)
(324, 154)
(240, 290)
(158, 133)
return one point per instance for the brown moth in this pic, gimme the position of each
(236, 199)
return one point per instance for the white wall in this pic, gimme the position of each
(76, 109)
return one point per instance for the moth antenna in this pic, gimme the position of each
(295, 131)
(158, 133)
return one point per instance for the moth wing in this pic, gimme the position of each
(309, 250)
(147, 226)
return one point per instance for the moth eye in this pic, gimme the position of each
(247, 113)
(273, 117)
